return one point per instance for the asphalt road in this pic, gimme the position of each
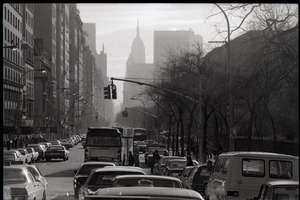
(59, 173)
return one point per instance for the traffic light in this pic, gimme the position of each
(114, 91)
(107, 92)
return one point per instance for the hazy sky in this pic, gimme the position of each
(116, 28)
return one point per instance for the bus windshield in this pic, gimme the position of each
(103, 138)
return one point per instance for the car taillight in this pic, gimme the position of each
(233, 193)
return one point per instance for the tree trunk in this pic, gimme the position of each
(177, 137)
(216, 129)
(204, 144)
(169, 133)
(182, 153)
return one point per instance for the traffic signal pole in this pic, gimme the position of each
(161, 88)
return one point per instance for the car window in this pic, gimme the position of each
(253, 167)
(151, 182)
(285, 192)
(33, 172)
(14, 176)
(107, 178)
(56, 148)
(86, 169)
(281, 169)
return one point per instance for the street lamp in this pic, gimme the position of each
(19, 107)
(144, 122)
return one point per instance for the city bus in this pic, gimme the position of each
(103, 144)
(140, 134)
(127, 143)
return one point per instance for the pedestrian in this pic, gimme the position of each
(130, 159)
(136, 159)
(209, 166)
(156, 158)
(189, 161)
(8, 145)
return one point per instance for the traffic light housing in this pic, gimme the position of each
(114, 91)
(107, 94)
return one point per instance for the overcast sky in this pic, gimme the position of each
(116, 28)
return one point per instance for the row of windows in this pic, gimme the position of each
(12, 75)
(12, 19)
(256, 168)
(10, 36)
(12, 56)
(29, 20)
(29, 37)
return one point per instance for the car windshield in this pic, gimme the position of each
(9, 157)
(106, 178)
(56, 148)
(177, 164)
(86, 169)
(22, 151)
(150, 142)
(14, 176)
(140, 142)
(129, 182)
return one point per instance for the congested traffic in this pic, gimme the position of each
(157, 173)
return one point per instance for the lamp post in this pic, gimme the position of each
(144, 121)
(19, 107)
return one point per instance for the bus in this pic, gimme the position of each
(103, 144)
(140, 134)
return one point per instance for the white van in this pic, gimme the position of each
(239, 175)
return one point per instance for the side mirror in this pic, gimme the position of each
(75, 171)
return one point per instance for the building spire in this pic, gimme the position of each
(103, 47)
(138, 28)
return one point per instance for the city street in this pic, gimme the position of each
(59, 173)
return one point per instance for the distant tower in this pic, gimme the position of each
(137, 54)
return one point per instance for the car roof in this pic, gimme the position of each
(283, 182)
(147, 176)
(164, 192)
(97, 163)
(256, 154)
(174, 157)
(119, 168)
(176, 160)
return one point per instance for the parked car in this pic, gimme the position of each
(240, 174)
(7, 193)
(27, 155)
(33, 169)
(151, 143)
(159, 168)
(22, 183)
(138, 192)
(83, 171)
(174, 167)
(20, 157)
(57, 151)
(198, 179)
(142, 146)
(104, 177)
(66, 143)
(11, 156)
(278, 190)
(55, 142)
(34, 154)
(40, 149)
(146, 180)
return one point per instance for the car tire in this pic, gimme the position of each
(64, 158)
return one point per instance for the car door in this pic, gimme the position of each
(35, 188)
